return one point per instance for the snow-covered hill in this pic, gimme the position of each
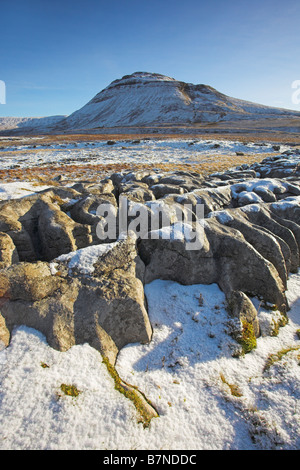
(144, 99)
(31, 123)
(149, 98)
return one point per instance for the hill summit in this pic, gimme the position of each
(153, 100)
(145, 98)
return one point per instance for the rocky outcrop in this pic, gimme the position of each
(225, 258)
(63, 273)
(105, 309)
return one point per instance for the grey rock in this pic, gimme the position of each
(241, 307)
(59, 234)
(105, 309)
(225, 258)
(263, 241)
(8, 251)
(160, 190)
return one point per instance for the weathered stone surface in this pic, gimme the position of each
(261, 217)
(59, 233)
(160, 190)
(105, 309)
(263, 241)
(4, 333)
(8, 251)
(225, 258)
(242, 308)
(247, 249)
(85, 212)
(39, 228)
(28, 282)
(212, 199)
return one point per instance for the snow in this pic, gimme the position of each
(251, 208)
(37, 123)
(223, 216)
(288, 202)
(125, 152)
(19, 189)
(249, 197)
(269, 184)
(179, 371)
(83, 260)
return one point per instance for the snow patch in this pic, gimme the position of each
(83, 260)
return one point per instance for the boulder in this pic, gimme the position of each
(105, 308)
(241, 308)
(160, 190)
(59, 233)
(136, 191)
(263, 241)
(259, 215)
(225, 258)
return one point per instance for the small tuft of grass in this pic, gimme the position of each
(278, 323)
(134, 394)
(247, 338)
(234, 389)
(70, 390)
(276, 357)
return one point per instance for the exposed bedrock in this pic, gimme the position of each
(105, 309)
(247, 245)
(225, 258)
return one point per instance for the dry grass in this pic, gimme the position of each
(256, 131)
(95, 172)
(204, 164)
(234, 389)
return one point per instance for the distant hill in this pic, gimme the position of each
(149, 98)
(29, 123)
(144, 99)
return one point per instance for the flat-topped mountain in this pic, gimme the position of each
(152, 99)
(149, 98)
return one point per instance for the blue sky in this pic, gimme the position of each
(56, 55)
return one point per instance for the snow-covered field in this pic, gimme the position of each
(123, 152)
(206, 398)
(18, 189)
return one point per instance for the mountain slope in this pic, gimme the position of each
(147, 98)
(30, 123)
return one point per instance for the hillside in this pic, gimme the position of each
(148, 98)
(29, 123)
(151, 99)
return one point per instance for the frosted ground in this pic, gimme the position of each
(138, 152)
(206, 398)
(187, 371)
